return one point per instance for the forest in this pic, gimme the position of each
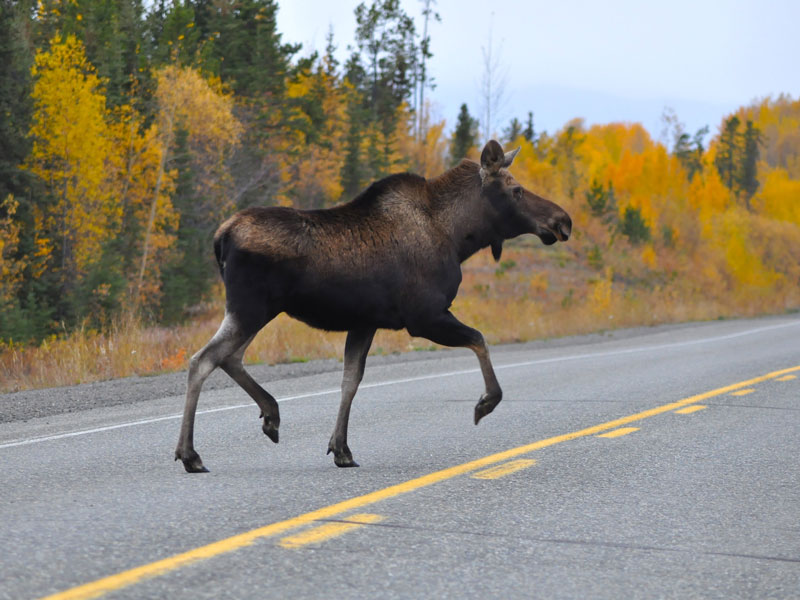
(129, 130)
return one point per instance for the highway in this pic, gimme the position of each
(655, 463)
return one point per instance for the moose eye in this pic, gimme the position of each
(517, 191)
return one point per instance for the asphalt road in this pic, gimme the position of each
(537, 501)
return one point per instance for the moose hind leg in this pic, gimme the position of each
(266, 402)
(355, 357)
(449, 331)
(229, 338)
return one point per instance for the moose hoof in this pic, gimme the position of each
(270, 430)
(191, 462)
(486, 405)
(342, 458)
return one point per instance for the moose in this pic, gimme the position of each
(391, 259)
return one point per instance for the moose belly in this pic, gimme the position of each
(346, 306)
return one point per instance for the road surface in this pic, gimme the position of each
(657, 463)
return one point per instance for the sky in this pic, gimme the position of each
(617, 60)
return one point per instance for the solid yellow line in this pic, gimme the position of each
(619, 432)
(504, 469)
(787, 377)
(328, 530)
(690, 409)
(743, 392)
(159, 567)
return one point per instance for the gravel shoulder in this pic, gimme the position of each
(30, 404)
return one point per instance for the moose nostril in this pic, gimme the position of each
(564, 231)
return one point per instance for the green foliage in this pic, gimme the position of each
(16, 105)
(529, 133)
(748, 170)
(465, 135)
(633, 226)
(595, 257)
(728, 152)
(737, 158)
(602, 202)
(513, 131)
(504, 266)
(690, 151)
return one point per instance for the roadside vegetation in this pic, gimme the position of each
(128, 133)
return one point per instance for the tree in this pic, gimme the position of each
(16, 105)
(689, 151)
(386, 36)
(247, 48)
(727, 157)
(464, 137)
(422, 80)
(633, 226)
(748, 164)
(529, 133)
(493, 84)
(513, 131)
(188, 101)
(72, 142)
(601, 201)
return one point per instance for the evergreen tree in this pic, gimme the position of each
(689, 151)
(464, 137)
(187, 278)
(386, 37)
(16, 105)
(748, 165)
(727, 157)
(529, 133)
(634, 227)
(248, 48)
(111, 32)
(513, 131)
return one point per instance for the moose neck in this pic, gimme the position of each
(457, 206)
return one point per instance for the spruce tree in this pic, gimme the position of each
(513, 131)
(464, 137)
(529, 133)
(748, 164)
(727, 157)
(16, 105)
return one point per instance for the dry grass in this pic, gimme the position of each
(541, 295)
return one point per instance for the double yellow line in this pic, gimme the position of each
(160, 567)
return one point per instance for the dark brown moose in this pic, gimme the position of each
(389, 259)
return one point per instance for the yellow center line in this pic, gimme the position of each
(690, 409)
(328, 530)
(787, 377)
(126, 578)
(743, 392)
(504, 469)
(619, 432)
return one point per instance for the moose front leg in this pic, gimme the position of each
(446, 330)
(355, 357)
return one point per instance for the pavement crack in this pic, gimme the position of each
(569, 541)
(727, 405)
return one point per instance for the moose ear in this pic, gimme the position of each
(509, 157)
(492, 157)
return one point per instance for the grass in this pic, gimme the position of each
(530, 295)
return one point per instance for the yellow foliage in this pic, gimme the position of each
(200, 106)
(601, 293)
(743, 262)
(11, 269)
(709, 197)
(310, 165)
(779, 197)
(649, 256)
(71, 150)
